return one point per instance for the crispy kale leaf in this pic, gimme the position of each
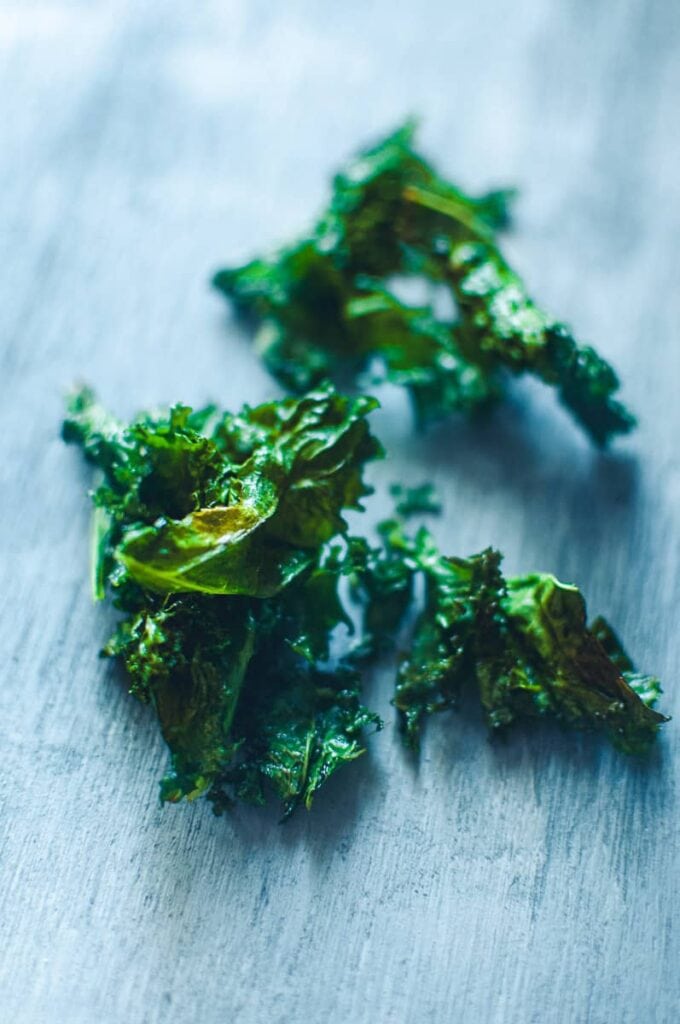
(524, 642)
(214, 535)
(324, 306)
(241, 511)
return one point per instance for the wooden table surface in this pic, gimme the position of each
(528, 882)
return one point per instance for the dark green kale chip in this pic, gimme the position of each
(325, 306)
(222, 541)
(523, 642)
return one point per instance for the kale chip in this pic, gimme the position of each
(221, 540)
(325, 307)
(523, 642)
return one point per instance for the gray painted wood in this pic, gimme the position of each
(526, 883)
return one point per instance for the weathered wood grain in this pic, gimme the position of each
(142, 144)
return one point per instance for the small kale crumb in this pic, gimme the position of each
(414, 501)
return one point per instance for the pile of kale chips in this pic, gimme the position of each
(221, 540)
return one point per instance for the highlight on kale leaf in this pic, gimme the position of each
(221, 540)
(325, 306)
(523, 642)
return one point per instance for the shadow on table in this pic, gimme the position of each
(520, 442)
(557, 766)
(567, 772)
(325, 831)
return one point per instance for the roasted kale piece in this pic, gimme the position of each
(325, 306)
(221, 540)
(523, 642)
